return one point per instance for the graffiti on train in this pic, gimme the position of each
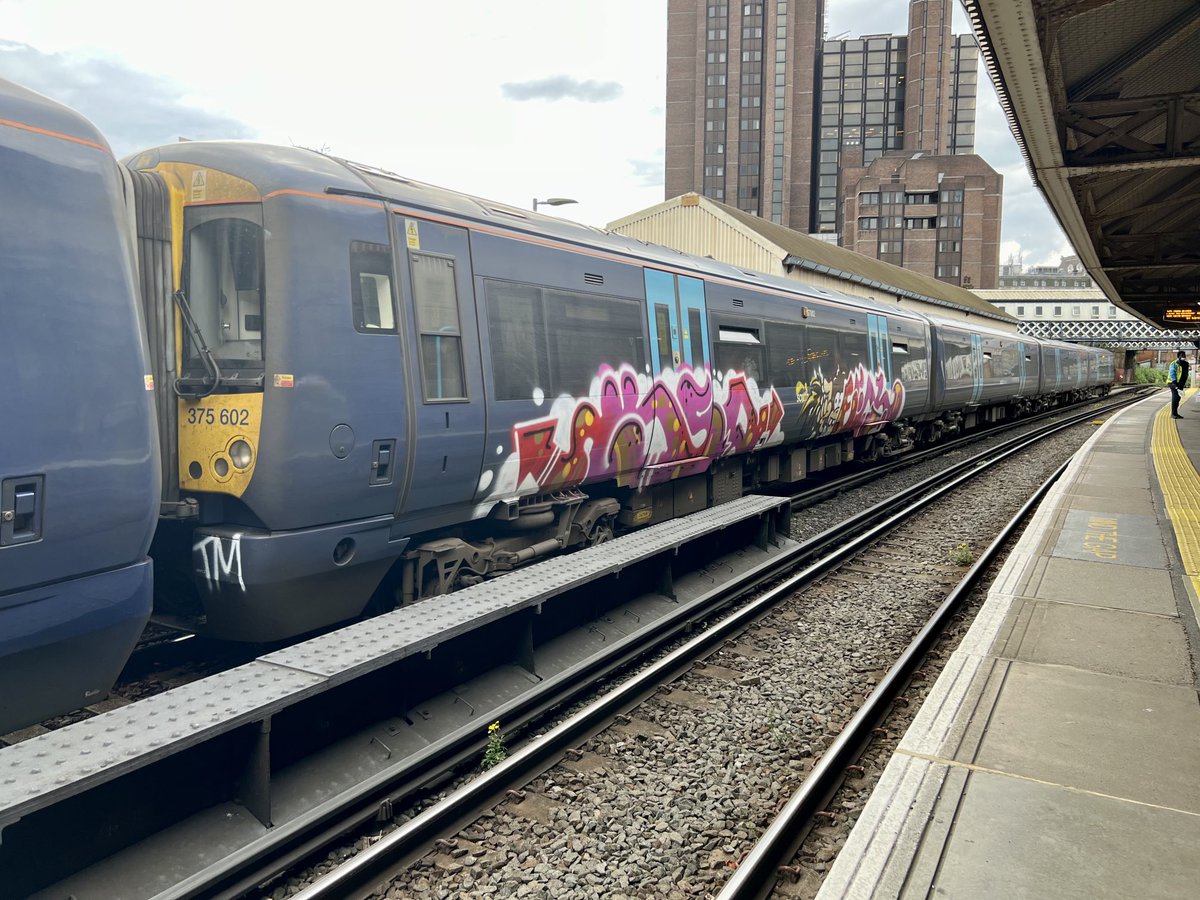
(860, 401)
(220, 563)
(639, 430)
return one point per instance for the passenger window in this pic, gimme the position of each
(821, 356)
(436, 300)
(738, 349)
(662, 324)
(592, 331)
(785, 355)
(371, 288)
(518, 340)
(855, 351)
(696, 337)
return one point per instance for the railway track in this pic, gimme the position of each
(238, 873)
(167, 657)
(650, 718)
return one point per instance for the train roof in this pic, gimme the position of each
(31, 111)
(272, 168)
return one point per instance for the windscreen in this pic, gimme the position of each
(223, 285)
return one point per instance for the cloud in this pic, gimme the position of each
(562, 87)
(133, 110)
(649, 172)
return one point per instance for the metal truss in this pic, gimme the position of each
(1131, 334)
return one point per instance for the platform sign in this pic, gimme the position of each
(1181, 314)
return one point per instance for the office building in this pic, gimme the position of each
(765, 118)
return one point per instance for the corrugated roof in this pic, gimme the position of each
(812, 253)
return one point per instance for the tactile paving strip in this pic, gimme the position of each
(68, 761)
(1181, 492)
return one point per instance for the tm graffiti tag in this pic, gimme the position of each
(220, 565)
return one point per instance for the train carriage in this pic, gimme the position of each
(79, 463)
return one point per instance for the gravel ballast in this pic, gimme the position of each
(667, 804)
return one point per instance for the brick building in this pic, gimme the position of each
(939, 215)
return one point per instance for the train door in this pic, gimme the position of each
(675, 316)
(977, 374)
(447, 433)
(879, 347)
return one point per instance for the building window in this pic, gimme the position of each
(1095, 312)
(1020, 311)
(1057, 311)
(1037, 311)
(1074, 312)
(868, 223)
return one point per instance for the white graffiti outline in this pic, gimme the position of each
(221, 565)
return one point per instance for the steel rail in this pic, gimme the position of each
(757, 873)
(818, 492)
(359, 875)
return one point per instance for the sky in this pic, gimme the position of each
(504, 100)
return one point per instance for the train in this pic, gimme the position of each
(370, 391)
(79, 453)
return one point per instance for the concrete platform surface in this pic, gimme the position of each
(1058, 754)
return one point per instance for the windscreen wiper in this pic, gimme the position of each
(206, 355)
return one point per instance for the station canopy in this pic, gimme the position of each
(1103, 97)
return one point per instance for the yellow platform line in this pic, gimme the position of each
(1180, 485)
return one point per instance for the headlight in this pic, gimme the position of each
(221, 467)
(240, 453)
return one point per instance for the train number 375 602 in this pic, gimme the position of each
(200, 415)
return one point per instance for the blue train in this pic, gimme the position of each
(79, 454)
(372, 391)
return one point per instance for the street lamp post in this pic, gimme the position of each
(552, 201)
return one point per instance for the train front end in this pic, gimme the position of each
(261, 537)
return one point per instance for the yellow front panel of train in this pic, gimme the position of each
(218, 442)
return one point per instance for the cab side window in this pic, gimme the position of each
(371, 288)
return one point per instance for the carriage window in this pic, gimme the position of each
(592, 332)
(821, 355)
(696, 337)
(436, 301)
(855, 352)
(739, 350)
(662, 325)
(589, 332)
(371, 288)
(518, 340)
(785, 357)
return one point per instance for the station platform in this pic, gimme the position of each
(1058, 754)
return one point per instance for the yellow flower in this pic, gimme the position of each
(495, 726)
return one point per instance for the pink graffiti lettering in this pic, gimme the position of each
(640, 431)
